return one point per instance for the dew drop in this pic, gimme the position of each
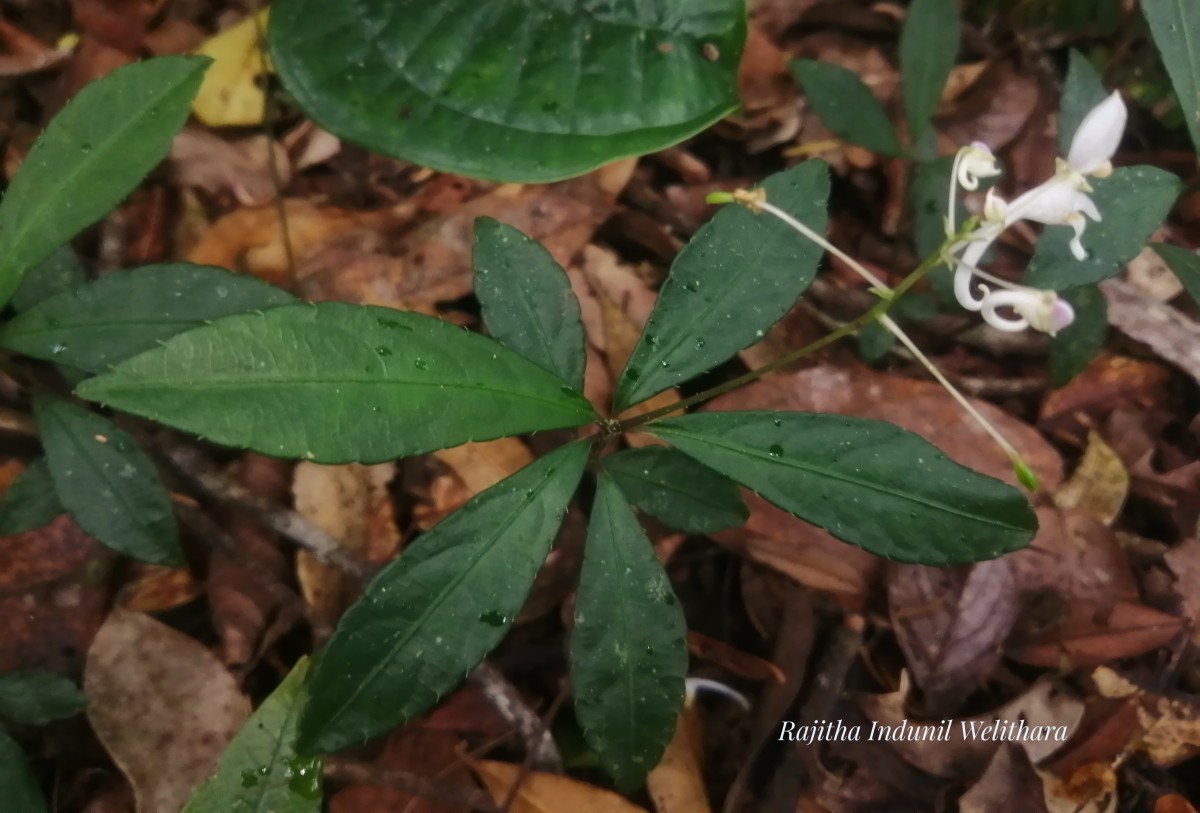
(775, 451)
(493, 618)
(420, 363)
(383, 352)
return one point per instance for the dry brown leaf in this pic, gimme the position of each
(1172, 335)
(1090, 788)
(1170, 726)
(1010, 783)
(251, 239)
(1184, 561)
(155, 588)
(219, 166)
(1088, 637)
(733, 660)
(481, 465)
(994, 109)
(965, 756)
(951, 624)
(247, 586)
(809, 555)
(352, 504)
(1108, 383)
(416, 750)
(163, 706)
(1173, 803)
(1075, 557)
(53, 596)
(676, 784)
(1099, 485)
(546, 792)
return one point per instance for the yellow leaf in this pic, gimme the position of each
(231, 94)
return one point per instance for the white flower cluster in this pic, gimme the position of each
(1060, 201)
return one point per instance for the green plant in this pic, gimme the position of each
(244, 365)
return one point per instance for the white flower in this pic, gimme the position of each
(1040, 310)
(1060, 201)
(974, 162)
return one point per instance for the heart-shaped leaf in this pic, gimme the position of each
(336, 383)
(510, 90)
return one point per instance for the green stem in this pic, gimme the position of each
(877, 312)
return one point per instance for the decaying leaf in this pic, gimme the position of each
(232, 93)
(1170, 726)
(951, 624)
(544, 792)
(1099, 485)
(676, 784)
(1010, 783)
(163, 706)
(351, 503)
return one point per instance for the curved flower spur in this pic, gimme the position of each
(1061, 200)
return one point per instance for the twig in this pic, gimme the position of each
(198, 470)
(356, 773)
(512, 707)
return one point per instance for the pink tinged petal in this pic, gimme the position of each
(1098, 135)
(1041, 310)
(1061, 316)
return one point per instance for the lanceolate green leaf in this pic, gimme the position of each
(92, 155)
(1175, 26)
(1078, 344)
(1184, 263)
(739, 275)
(866, 482)
(30, 502)
(107, 483)
(259, 771)
(1082, 90)
(37, 696)
(846, 105)
(434, 613)
(1133, 202)
(928, 47)
(127, 312)
(334, 383)
(59, 272)
(508, 89)
(628, 656)
(527, 300)
(672, 487)
(21, 791)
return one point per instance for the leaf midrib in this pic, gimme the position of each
(47, 200)
(441, 597)
(107, 390)
(864, 484)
